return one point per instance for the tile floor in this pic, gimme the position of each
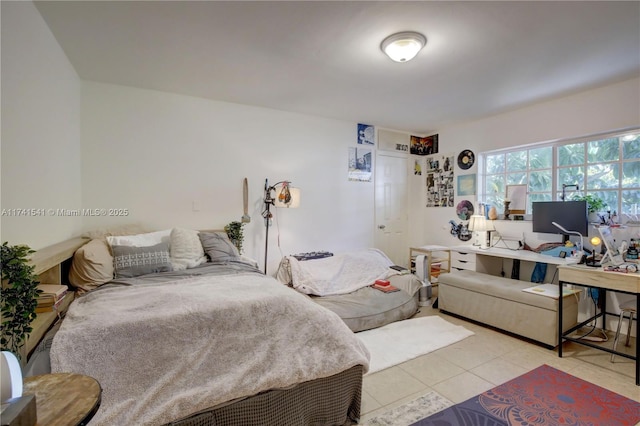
(483, 361)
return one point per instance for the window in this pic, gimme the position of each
(606, 166)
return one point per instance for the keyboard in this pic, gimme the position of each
(312, 255)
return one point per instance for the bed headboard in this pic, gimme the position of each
(51, 265)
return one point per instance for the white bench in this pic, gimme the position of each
(501, 303)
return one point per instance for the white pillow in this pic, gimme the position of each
(141, 240)
(186, 249)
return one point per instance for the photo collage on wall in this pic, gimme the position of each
(440, 180)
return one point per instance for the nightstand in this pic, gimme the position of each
(64, 399)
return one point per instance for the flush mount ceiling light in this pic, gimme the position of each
(402, 47)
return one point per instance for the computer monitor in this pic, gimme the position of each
(571, 215)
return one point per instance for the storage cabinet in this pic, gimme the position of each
(437, 261)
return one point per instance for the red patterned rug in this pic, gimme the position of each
(544, 396)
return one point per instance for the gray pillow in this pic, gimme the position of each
(218, 247)
(134, 261)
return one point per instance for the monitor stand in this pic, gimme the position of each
(614, 260)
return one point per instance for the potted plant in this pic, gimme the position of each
(595, 205)
(19, 293)
(235, 233)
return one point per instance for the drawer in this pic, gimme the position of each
(463, 264)
(463, 260)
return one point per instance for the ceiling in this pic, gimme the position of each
(324, 58)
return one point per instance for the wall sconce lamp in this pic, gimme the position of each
(280, 195)
(404, 46)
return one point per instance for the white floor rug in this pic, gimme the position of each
(409, 413)
(404, 340)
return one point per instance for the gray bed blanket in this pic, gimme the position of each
(164, 350)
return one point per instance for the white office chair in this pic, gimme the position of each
(630, 308)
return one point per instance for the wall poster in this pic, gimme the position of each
(360, 164)
(366, 134)
(417, 167)
(439, 181)
(424, 145)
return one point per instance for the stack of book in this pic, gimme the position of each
(435, 269)
(51, 297)
(385, 286)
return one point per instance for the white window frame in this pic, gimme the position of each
(497, 198)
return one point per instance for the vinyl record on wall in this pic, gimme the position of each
(466, 159)
(464, 210)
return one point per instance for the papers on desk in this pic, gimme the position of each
(550, 290)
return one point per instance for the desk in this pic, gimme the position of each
(64, 399)
(597, 278)
(491, 261)
(525, 255)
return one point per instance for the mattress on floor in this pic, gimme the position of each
(369, 308)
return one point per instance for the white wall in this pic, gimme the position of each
(599, 110)
(156, 154)
(595, 111)
(40, 130)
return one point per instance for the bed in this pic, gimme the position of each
(342, 284)
(213, 343)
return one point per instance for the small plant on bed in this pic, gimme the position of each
(19, 293)
(236, 234)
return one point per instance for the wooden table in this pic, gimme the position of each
(64, 399)
(586, 276)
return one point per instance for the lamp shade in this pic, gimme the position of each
(479, 223)
(595, 241)
(474, 222)
(11, 376)
(489, 225)
(294, 201)
(404, 46)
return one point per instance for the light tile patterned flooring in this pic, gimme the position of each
(485, 360)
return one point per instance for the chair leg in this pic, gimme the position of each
(629, 329)
(615, 340)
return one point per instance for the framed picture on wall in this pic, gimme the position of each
(366, 134)
(360, 164)
(517, 194)
(467, 185)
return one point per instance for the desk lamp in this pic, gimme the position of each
(595, 242)
(483, 228)
(474, 223)
(560, 227)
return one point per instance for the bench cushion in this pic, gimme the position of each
(501, 303)
(504, 288)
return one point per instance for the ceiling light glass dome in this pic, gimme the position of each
(404, 46)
